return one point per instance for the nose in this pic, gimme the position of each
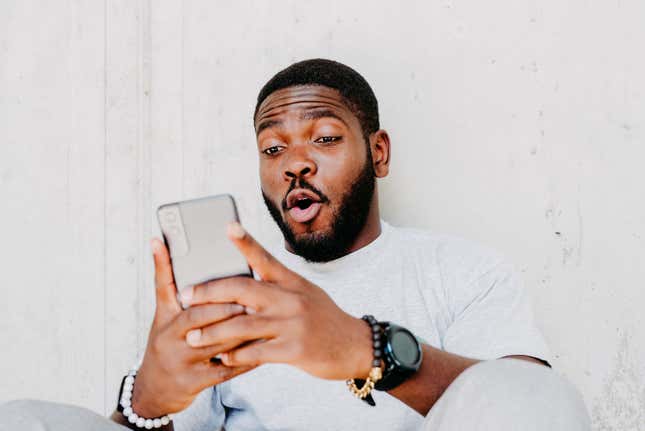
(299, 165)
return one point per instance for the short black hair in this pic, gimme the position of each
(353, 88)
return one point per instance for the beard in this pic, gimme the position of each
(347, 222)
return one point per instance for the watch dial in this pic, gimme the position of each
(405, 347)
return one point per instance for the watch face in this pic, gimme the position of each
(405, 347)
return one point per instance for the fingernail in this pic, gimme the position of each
(237, 308)
(154, 244)
(193, 336)
(236, 230)
(187, 294)
(250, 310)
(224, 358)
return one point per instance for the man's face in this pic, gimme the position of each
(315, 170)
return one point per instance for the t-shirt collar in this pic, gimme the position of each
(357, 257)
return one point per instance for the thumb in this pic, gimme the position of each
(165, 290)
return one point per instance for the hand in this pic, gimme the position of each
(173, 373)
(290, 320)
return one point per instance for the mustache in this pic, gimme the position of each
(303, 184)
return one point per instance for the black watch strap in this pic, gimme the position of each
(119, 407)
(392, 379)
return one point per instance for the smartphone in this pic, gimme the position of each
(195, 233)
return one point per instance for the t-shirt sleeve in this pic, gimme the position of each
(492, 317)
(206, 413)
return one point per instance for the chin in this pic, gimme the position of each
(320, 225)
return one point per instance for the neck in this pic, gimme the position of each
(372, 228)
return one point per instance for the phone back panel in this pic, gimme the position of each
(195, 233)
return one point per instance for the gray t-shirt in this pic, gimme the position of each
(457, 296)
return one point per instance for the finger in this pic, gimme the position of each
(235, 330)
(165, 290)
(256, 353)
(198, 354)
(199, 316)
(213, 374)
(242, 290)
(260, 260)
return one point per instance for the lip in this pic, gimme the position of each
(296, 194)
(306, 215)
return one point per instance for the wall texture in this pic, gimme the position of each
(518, 124)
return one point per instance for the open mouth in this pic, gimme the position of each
(303, 205)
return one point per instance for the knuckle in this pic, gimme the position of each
(155, 346)
(245, 282)
(297, 351)
(200, 292)
(194, 315)
(252, 356)
(232, 357)
(158, 346)
(242, 324)
(230, 309)
(299, 304)
(211, 334)
(218, 331)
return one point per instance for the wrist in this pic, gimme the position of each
(140, 414)
(141, 404)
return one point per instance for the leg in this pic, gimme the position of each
(31, 415)
(509, 394)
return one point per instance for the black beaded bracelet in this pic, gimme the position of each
(377, 335)
(375, 375)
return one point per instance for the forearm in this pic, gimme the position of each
(438, 370)
(121, 420)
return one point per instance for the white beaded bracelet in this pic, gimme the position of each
(126, 403)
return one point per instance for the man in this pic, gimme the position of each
(287, 340)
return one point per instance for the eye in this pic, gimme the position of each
(272, 150)
(327, 139)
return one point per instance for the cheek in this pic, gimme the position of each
(269, 177)
(338, 172)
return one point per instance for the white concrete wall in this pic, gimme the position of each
(520, 124)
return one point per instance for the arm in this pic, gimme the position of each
(437, 372)
(295, 322)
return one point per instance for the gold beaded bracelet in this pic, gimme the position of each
(368, 386)
(376, 372)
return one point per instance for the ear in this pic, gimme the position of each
(380, 147)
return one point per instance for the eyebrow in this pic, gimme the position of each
(268, 123)
(313, 114)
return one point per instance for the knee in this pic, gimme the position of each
(22, 407)
(36, 415)
(21, 414)
(514, 393)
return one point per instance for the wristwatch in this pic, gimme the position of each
(402, 356)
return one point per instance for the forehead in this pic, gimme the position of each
(303, 98)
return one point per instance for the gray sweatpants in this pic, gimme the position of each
(494, 395)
